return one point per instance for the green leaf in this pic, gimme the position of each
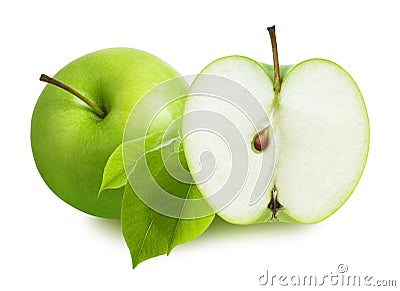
(114, 176)
(147, 232)
(142, 237)
(177, 230)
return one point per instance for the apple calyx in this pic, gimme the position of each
(99, 112)
(274, 204)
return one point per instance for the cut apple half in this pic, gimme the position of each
(314, 153)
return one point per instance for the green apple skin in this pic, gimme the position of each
(283, 69)
(71, 144)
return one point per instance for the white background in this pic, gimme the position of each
(47, 245)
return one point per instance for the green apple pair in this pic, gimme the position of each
(310, 147)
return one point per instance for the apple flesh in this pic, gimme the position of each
(71, 142)
(318, 140)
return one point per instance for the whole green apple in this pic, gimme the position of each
(80, 117)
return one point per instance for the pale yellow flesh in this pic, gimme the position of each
(260, 86)
(323, 139)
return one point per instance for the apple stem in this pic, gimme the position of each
(58, 84)
(260, 141)
(277, 77)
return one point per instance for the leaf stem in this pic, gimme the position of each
(58, 84)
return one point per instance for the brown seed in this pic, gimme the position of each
(261, 140)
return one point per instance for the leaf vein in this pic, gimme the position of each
(144, 239)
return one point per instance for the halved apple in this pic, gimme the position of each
(302, 158)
